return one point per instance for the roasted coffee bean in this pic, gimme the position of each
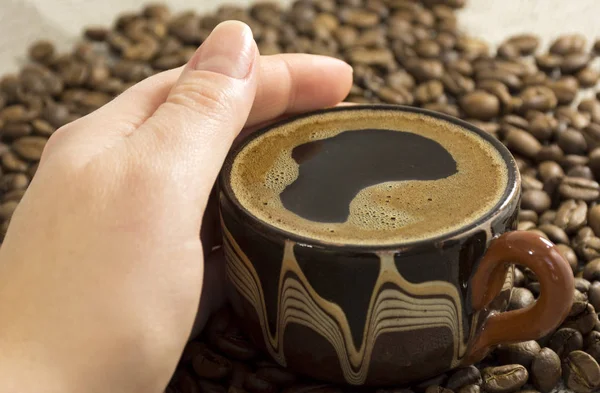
(520, 298)
(571, 215)
(591, 272)
(519, 278)
(480, 105)
(235, 345)
(206, 386)
(547, 217)
(550, 153)
(429, 91)
(535, 200)
(548, 62)
(463, 377)
(208, 364)
(571, 117)
(11, 163)
(580, 302)
(7, 209)
(500, 91)
(582, 285)
(589, 248)
(254, 384)
(594, 219)
(578, 188)
(581, 372)
(581, 171)
(588, 77)
(565, 340)
(565, 89)
(572, 160)
(438, 380)
(567, 44)
(400, 96)
(555, 234)
(519, 353)
(30, 147)
(546, 370)
(448, 109)
(594, 295)
(574, 62)
(275, 374)
(528, 215)
(569, 255)
(591, 134)
(525, 225)
(504, 379)
(523, 143)
(437, 389)
(591, 344)
(457, 84)
(425, 69)
(572, 141)
(538, 98)
(584, 322)
(473, 388)
(591, 106)
(531, 183)
(524, 44)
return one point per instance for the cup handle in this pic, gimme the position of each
(547, 313)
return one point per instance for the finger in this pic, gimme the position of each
(209, 104)
(295, 83)
(288, 83)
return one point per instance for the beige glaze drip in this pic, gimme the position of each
(390, 310)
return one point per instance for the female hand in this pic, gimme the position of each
(102, 267)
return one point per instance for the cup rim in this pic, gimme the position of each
(511, 191)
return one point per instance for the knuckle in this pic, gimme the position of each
(208, 99)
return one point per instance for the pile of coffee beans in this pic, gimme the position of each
(540, 102)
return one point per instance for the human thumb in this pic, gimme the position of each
(192, 131)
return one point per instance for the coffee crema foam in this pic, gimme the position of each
(393, 212)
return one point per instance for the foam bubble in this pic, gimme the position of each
(387, 213)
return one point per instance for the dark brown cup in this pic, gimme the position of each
(436, 304)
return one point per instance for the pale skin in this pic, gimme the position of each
(102, 269)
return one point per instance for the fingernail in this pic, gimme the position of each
(229, 50)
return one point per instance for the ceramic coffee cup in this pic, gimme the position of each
(375, 245)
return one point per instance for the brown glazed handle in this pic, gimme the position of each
(548, 312)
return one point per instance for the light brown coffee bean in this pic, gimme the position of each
(358, 17)
(531, 183)
(480, 105)
(580, 302)
(571, 117)
(12, 163)
(569, 255)
(591, 344)
(594, 219)
(512, 81)
(589, 248)
(30, 147)
(572, 141)
(429, 91)
(523, 143)
(565, 89)
(550, 170)
(574, 62)
(555, 234)
(567, 44)
(448, 109)
(399, 96)
(578, 188)
(470, 389)
(572, 160)
(591, 272)
(535, 200)
(548, 62)
(520, 298)
(425, 69)
(547, 217)
(457, 84)
(525, 225)
(538, 98)
(594, 162)
(588, 77)
(581, 372)
(504, 379)
(594, 294)
(591, 134)
(525, 44)
(571, 215)
(550, 153)
(528, 215)
(581, 171)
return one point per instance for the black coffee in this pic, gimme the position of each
(368, 177)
